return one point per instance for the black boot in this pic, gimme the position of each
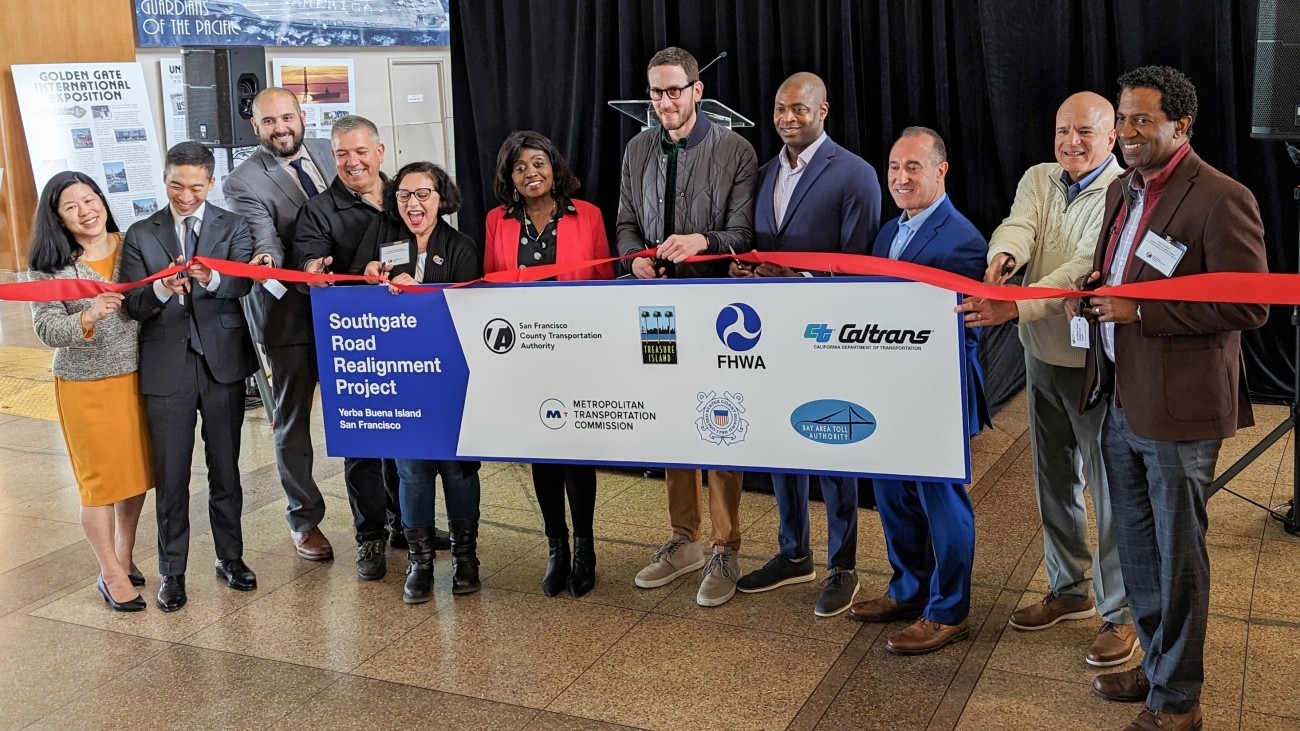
(557, 566)
(584, 566)
(464, 559)
(419, 574)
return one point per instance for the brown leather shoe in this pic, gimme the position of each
(1129, 686)
(313, 545)
(885, 609)
(926, 636)
(1149, 720)
(1115, 644)
(1050, 610)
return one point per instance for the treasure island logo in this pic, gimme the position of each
(658, 335)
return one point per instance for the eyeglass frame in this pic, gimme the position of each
(405, 195)
(674, 92)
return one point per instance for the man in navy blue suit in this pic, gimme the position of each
(929, 526)
(813, 196)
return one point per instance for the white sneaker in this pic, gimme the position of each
(720, 575)
(676, 557)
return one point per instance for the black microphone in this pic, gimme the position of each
(716, 59)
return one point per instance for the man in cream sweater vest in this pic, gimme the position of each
(1052, 230)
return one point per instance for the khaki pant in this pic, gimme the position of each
(686, 504)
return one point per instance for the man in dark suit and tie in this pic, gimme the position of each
(194, 356)
(1174, 377)
(267, 189)
(929, 526)
(813, 196)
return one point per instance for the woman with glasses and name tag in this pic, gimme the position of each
(411, 244)
(539, 222)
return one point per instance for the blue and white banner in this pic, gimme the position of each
(845, 375)
(316, 23)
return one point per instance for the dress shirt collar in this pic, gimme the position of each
(804, 158)
(917, 221)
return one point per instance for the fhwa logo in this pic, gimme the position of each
(739, 327)
(720, 419)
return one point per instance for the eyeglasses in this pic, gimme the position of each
(673, 92)
(421, 194)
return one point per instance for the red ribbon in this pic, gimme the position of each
(1222, 287)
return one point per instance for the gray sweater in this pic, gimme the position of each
(113, 349)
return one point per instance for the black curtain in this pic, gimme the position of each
(987, 75)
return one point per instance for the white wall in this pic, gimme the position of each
(372, 87)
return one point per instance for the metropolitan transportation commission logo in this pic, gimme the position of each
(658, 334)
(720, 418)
(832, 421)
(553, 413)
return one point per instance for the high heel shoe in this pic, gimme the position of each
(136, 576)
(131, 605)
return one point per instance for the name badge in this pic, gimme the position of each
(274, 288)
(1079, 332)
(396, 253)
(1161, 252)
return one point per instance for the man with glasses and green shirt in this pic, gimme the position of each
(688, 188)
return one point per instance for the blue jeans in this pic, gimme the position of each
(840, 495)
(460, 488)
(1158, 493)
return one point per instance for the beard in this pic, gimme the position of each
(285, 146)
(684, 116)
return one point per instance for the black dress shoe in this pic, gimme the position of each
(136, 576)
(236, 574)
(130, 605)
(171, 593)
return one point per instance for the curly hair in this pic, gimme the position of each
(1177, 93)
(52, 247)
(448, 193)
(565, 182)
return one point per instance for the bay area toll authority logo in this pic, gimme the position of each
(720, 418)
(658, 334)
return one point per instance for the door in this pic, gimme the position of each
(420, 114)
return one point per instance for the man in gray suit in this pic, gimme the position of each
(267, 189)
(194, 356)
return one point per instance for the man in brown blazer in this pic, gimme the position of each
(1174, 375)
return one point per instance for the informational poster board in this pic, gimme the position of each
(94, 118)
(828, 375)
(325, 88)
(313, 23)
(174, 122)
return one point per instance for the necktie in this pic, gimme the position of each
(188, 248)
(308, 186)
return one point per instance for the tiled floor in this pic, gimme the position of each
(314, 647)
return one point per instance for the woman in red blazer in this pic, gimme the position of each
(539, 222)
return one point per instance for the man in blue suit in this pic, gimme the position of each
(929, 526)
(813, 196)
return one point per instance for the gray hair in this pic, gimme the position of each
(939, 153)
(351, 122)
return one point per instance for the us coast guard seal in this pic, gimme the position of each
(720, 421)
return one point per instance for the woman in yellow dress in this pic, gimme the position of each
(95, 384)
